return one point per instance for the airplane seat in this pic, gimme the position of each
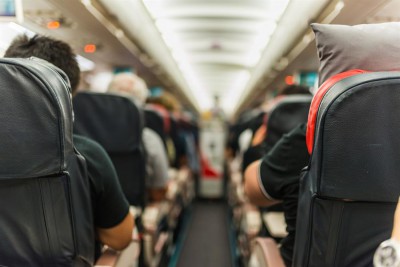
(116, 123)
(265, 253)
(152, 121)
(289, 112)
(349, 191)
(46, 213)
(155, 121)
(178, 141)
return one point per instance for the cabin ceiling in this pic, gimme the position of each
(212, 48)
(202, 49)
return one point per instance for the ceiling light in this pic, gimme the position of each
(235, 91)
(216, 56)
(52, 25)
(90, 48)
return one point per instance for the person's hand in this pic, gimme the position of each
(396, 224)
(259, 135)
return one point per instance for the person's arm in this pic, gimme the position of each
(158, 162)
(252, 186)
(157, 194)
(119, 236)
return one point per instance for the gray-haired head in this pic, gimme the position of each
(131, 85)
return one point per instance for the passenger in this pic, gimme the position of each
(112, 220)
(275, 178)
(258, 148)
(157, 161)
(176, 150)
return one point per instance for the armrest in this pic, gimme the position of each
(108, 259)
(125, 258)
(266, 253)
(275, 223)
(251, 220)
(152, 215)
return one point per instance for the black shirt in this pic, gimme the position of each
(279, 173)
(109, 204)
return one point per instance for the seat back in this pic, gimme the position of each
(160, 120)
(176, 133)
(116, 122)
(155, 121)
(350, 189)
(46, 216)
(288, 113)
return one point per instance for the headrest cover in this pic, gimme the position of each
(372, 47)
(316, 101)
(112, 120)
(35, 118)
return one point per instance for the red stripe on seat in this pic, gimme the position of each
(164, 114)
(316, 101)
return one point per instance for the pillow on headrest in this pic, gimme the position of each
(372, 47)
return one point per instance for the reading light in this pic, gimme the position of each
(52, 25)
(289, 80)
(90, 48)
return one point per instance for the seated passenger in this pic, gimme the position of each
(258, 146)
(157, 161)
(275, 178)
(175, 147)
(112, 219)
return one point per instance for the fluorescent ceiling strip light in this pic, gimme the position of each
(235, 91)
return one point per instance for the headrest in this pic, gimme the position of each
(114, 121)
(35, 118)
(287, 113)
(354, 131)
(372, 47)
(316, 101)
(163, 113)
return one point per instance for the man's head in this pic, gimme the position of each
(129, 84)
(54, 51)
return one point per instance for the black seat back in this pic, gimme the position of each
(176, 133)
(288, 113)
(159, 119)
(154, 121)
(46, 216)
(115, 122)
(349, 191)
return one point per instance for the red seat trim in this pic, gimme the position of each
(316, 101)
(164, 114)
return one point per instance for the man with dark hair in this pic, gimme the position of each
(54, 51)
(112, 219)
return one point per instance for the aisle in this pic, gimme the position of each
(207, 242)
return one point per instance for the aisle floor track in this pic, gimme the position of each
(207, 239)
